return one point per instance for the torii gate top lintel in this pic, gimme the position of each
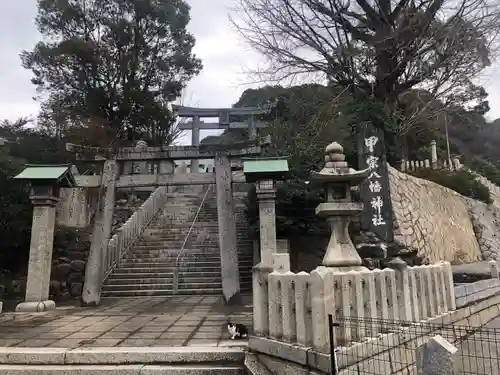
(183, 111)
(128, 154)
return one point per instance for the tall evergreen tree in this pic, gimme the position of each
(117, 62)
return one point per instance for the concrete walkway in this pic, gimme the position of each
(138, 322)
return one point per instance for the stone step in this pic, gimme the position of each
(168, 292)
(130, 263)
(183, 279)
(215, 257)
(195, 357)
(169, 237)
(158, 293)
(182, 285)
(121, 369)
(145, 268)
(169, 275)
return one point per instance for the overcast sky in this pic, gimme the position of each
(224, 59)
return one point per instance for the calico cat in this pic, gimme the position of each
(237, 331)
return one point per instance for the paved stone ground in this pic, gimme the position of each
(173, 321)
(480, 354)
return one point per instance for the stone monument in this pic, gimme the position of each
(339, 209)
(45, 181)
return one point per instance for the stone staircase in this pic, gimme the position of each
(148, 268)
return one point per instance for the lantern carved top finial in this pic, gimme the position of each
(336, 168)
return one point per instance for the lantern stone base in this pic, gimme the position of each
(39, 306)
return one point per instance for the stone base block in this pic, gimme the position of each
(36, 306)
(281, 262)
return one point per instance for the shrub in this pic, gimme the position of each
(463, 182)
(486, 169)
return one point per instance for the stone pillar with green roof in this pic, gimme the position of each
(265, 172)
(45, 181)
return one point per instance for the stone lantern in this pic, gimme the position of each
(46, 182)
(339, 209)
(264, 172)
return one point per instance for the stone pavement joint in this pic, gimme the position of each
(153, 322)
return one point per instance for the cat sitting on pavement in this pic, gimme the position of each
(237, 331)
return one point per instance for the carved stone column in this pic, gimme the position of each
(266, 195)
(195, 141)
(101, 234)
(227, 230)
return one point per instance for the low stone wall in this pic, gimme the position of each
(467, 294)
(295, 307)
(433, 219)
(282, 358)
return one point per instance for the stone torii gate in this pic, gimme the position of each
(112, 179)
(224, 116)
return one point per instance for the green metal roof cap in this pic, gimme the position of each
(254, 169)
(58, 174)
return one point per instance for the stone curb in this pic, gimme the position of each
(119, 370)
(118, 356)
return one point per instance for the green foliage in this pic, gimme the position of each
(118, 62)
(487, 169)
(462, 182)
(306, 123)
(295, 210)
(15, 215)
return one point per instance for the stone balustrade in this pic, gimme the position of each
(414, 165)
(294, 308)
(126, 236)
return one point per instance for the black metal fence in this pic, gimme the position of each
(474, 350)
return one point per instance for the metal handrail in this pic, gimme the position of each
(175, 281)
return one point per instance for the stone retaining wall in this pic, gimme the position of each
(433, 219)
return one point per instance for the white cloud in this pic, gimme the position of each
(224, 57)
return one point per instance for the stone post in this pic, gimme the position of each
(40, 260)
(494, 270)
(141, 167)
(101, 234)
(434, 158)
(437, 357)
(252, 128)
(261, 299)
(227, 230)
(266, 195)
(195, 141)
(403, 288)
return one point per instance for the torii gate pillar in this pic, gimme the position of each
(230, 273)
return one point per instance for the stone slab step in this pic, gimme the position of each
(169, 275)
(192, 263)
(166, 237)
(184, 279)
(119, 356)
(187, 256)
(120, 369)
(169, 267)
(176, 245)
(159, 293)
(182, 285)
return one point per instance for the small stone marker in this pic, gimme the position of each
(1, 306)
(437, 357)
(494, 270)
